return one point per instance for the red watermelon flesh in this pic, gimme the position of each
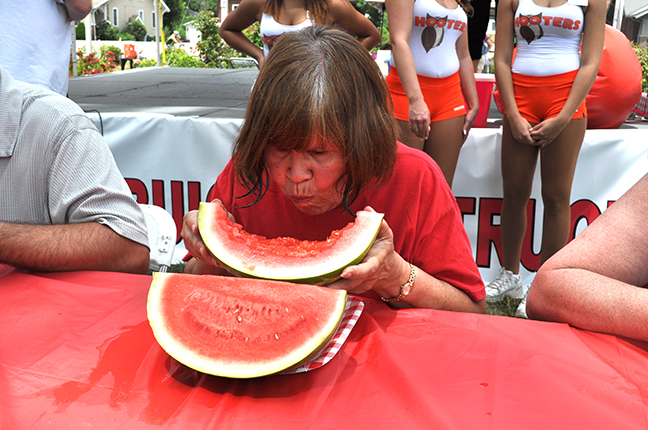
(286, 258)
(238, 327)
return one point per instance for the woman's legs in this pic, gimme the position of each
(518, 168)
(557, 167)
(443, 144)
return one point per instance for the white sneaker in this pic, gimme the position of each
(520, 312)
(504, 285)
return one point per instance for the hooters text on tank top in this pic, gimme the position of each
(435, 30)
(548, 38)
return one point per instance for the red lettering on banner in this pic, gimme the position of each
(451, 23)
(441, 23)
(431, 21)
(193, 195)
(158, 193)
(582, 209)
(467, 206)
(535, 20)
(576, 25)
(138, 188)
(487, 232)
(177, 204)
(558, 21)
(524, 20)
(547, 19)
(529, 259)
(419, 21)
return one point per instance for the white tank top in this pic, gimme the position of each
(271, 30)
(548, 38)
(433, 41)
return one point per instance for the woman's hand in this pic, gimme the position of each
(471, 116)
(419, 118)
(202, 259)
(521, 130)
(382, 269)
(545, 132)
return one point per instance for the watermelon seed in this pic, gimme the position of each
(235, 311)
(239, 318)
(246, 339)
(286, 310)
(277, 336)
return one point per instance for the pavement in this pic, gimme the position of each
(208, 93)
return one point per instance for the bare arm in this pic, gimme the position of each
(468, 86)
(503, 59)
(345, 16)
(231, 30)
(77, 9)
(400, 14)
(597, 282)
(83, 246)
(384, 271)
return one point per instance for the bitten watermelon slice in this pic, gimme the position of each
(286, 258)
(241, 327)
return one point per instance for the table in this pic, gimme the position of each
(76, 352)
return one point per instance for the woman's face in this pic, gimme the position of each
(310, 178)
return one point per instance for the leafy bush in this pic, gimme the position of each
(147, 62)
(642, 55)
(80, 31)
(106, 31)
(213, 50)
(94, 63)
(178, 57)
(104, 49)
(136, 28)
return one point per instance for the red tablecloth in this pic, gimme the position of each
(76, 352)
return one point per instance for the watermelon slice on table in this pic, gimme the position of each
(241, 327)
(286, 258)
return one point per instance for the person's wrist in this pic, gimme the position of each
(405, 288)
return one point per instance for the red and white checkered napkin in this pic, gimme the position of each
(351, 314)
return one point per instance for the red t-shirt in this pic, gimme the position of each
(418, 205)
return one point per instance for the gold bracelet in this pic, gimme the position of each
(406, 288)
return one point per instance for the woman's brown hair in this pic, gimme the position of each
(321, 83)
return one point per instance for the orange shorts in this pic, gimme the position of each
(542, 97)
(443, 96)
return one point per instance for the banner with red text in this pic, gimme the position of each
(172, 162)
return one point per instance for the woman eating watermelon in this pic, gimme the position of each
(318, 144)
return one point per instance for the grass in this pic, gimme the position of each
(505, 307)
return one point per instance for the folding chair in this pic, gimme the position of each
(162, 235)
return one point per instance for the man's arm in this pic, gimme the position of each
(597, 282)
(82, 246)
(77, 9)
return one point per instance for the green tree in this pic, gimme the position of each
(106, 31)
(136, 28)
(173, 19)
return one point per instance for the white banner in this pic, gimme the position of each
(172, 162)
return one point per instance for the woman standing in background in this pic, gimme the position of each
(559, 46)
(280, 16)
(431, 81)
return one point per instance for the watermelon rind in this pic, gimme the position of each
(321, 268)
(192, 330)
